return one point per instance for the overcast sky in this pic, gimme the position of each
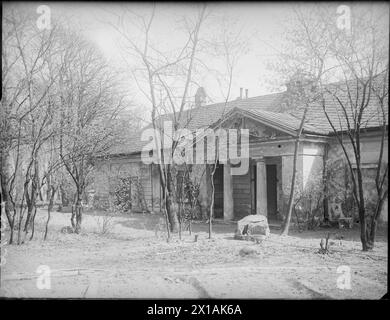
(262, 23)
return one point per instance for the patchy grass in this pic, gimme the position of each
(133, 259)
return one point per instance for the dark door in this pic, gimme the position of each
(218, 192)
(253, 188)
(271, 191)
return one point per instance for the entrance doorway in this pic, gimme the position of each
(272, 192)
(253, 187)
(218, 192)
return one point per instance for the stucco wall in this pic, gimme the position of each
(309, 175)
(339, 172)
(200, 174)
(108, 172)
(310, 167)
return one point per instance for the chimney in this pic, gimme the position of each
(200, 97)
(300, 83)
(240, 93)
(246, 93)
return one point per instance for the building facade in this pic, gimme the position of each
(265, 186)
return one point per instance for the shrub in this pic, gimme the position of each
(129, 195)
(122, 194)
(101, 202)
(105, 224)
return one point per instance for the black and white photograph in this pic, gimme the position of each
(194, 151)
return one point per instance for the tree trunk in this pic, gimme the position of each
(212, 202)
(362, 210)
(4, 177)
(172, 214)
(293, 179)
(165, 202)
(363, 229)
(47, 222)
(180, 220)
(64, 197)
(372, 234)
(5, 202)
(30, 210)
(33, 223)
(172, 209)
(374, 223)
(325, 177)
(286, 225)
(78, 215)
(49, 208)
(21, 215)
(12, 226)
(73, 217)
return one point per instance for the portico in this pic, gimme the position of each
(240, 194)
(261, 187)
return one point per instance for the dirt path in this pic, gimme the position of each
(233, 282)
(131, 262)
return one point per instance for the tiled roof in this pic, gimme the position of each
(205, 116)
(271, 109)
(282, 120)
(132, 144)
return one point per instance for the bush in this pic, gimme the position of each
(122, 194)
(308, 214)
(101, 202)
(105, 224)
(129, 195)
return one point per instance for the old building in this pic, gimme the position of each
(264, 188)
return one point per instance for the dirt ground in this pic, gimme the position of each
(134, 260)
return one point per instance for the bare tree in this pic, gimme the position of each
(169, 77)
(158, 69)
(302, 65)
(290, 205)
(53, 176)
(362, 54)
(231, 47)
(25, 111)
(357, 57)
(88, 105)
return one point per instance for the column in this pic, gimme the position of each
(261, 186)
(228, 203)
